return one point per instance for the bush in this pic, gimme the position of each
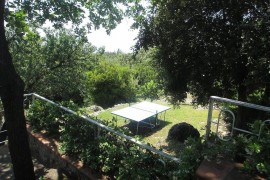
(258, 150)
(252, 151)
(45, 117)
(182, 131)
(112, 155)
(110, 84)
(191, 157)
(76, 134)
(117, 157)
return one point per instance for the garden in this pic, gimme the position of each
(88, 79)
(118, 158)
(183, 48)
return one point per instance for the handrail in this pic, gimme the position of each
(140, 144)
(233, 119)
(241, 103)
(235, 102)
(262, 126)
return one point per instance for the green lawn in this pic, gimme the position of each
(197, 117)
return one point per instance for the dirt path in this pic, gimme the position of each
(41, 171)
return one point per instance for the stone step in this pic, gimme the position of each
(223, 170)
(211, 170)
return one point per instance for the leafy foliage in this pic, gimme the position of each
(145, 165)
(252, 151)
(41, 61)
(78, 139)
(191, 158)
(53, 65)
(147, 75)
(100, 13)
(149, 90)
(144, 72)
(101, 150)
(210, 47)
(258, 150)
(110, 83)
(45, 117)
(36, 13)
(119, 158)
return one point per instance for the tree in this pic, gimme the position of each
(48, 69)
(211, 48)
(144, 72)
(18, 15)
(147, 76)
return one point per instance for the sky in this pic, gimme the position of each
(122, 38)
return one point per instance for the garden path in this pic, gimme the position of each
(41, 171)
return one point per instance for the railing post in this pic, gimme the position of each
(209, 119)
(33, 98)
(98, 130)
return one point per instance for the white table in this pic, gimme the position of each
(142, 111)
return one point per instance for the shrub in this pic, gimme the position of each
(110, 84)
(122, 159)
(114, 156)
(118, 157)
(143, 164)
(182, 131)
(254, 152)
(191, 157)
(44, 116)
(258, 151)
(217, 149)
(76, 135)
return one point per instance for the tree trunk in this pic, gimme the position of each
(12, 98)
(11, 92)
(242, 111)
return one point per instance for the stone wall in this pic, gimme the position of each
(46, 151)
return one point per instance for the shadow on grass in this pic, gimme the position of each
(173, 147)
(146, 129)
(170, 146)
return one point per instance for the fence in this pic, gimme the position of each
(214, 99)
(102, 126)
(1, 122)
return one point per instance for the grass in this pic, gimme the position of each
(197, 117)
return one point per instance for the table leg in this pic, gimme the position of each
(157, 123)
(137, 128)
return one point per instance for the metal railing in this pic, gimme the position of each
(102, 126)
(4, 131)
(214, 99)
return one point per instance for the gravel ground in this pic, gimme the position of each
(41, 171)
